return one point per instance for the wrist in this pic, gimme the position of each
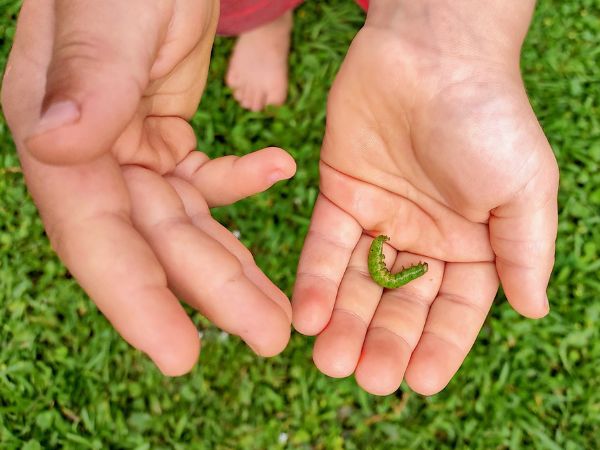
(495, 28)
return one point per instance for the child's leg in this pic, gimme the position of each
(258, 69)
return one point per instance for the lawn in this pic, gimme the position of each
(67, 380)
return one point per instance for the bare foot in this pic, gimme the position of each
(258, 69)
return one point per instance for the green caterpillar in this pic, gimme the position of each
(382, 276)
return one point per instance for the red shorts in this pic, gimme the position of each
(364, 4)
(239, 16)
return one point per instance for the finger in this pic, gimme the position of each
(330, 241)
(197, 209)
(184, 34)
(338, 347)
(454, 320)
(157, 143)
(201, 270)
(101, 58)
(226, 180)
(396, 327)
(85, 209)
(523, 234)
(24, 77)
(411, 226)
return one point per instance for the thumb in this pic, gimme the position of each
(101, 59)
(522, 234)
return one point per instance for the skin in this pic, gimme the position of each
(380, 273)
(258, 68)
(430, 140)
(126, 204)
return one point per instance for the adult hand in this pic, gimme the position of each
(430, 140)
(97, 95)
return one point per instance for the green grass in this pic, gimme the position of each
(68, 381)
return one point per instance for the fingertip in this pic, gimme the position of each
(382, 382)
(64, 136)
(532, 308)
(308, 324)
(428, 373)
(84, 116)
(282, 162)
(312, 304)
(337, 348)
(271, 344)
(308, 316)
(275, 176)
(380, 370)
(332, 367)
(265, 328)
(376, 387)
(49, 140)
(425, 381)
(268, 332)
(178, 359)
(425, 387)
(525, 290)
(306, 327)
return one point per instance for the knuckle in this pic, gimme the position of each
(77, 48)
(245, 255)
(57, 233)
(233, 272)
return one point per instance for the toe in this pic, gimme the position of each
(246, 100)
(238, 94)
(258, 101)
(232, 79)
(277, 94)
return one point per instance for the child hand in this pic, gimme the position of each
(430, 140)
(112, 167)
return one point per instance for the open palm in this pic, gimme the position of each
(442, 153)
(113, 169)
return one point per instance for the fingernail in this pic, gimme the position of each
(58, 115)
(276, 176)
(546, 303)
